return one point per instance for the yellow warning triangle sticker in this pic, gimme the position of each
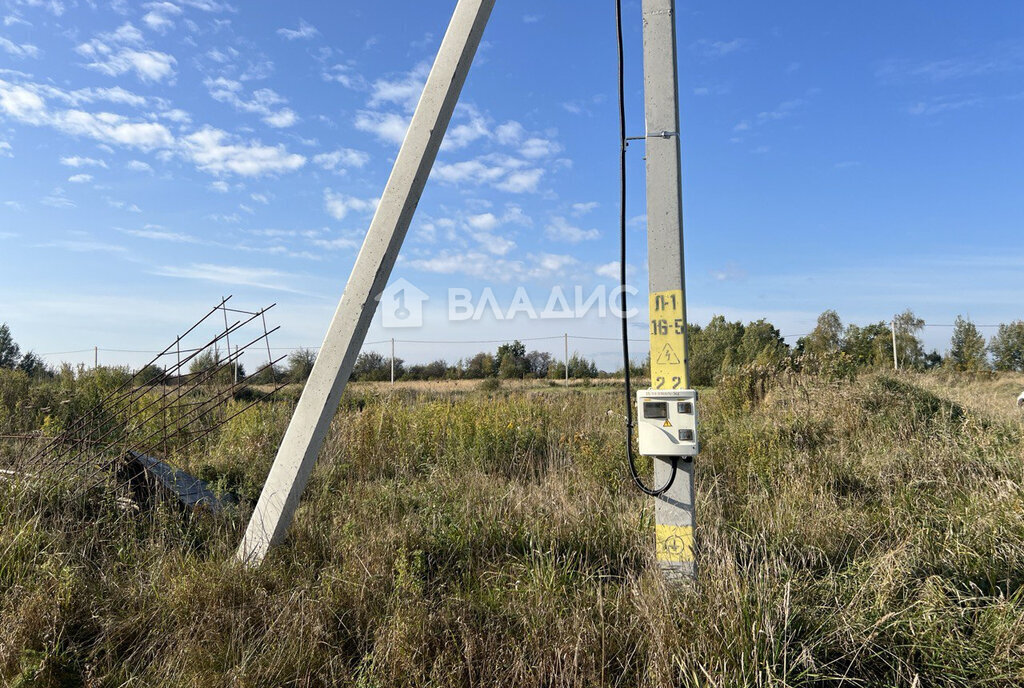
(668, 356)
(666, 424)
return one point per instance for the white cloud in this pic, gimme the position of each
(579, 209)
(493, 266)
(57, 199)
(504, 173)
(138, 166)
(305, 31)
(220, 186)
(54, 7)
(159, 234)
(76, 161)
(262, 102)
(90, 95)
(122, 51)
(710, 49)
(21, 103)
(121, 205)
(611, 270)
(339, 205)
(461, 135)
(110, 128)
(159, 16)
(486, 222)
(209, 150)
(510, 133)
(468, 171)
(232, 219)
(343, 157)
(496, 245)
(207, 5)
(388, 127)
(5, 150)
(20, 51)
(86, 247)
(404, 90)
(80, 178)
(260, 198)
(784, 110)
(559, 229)
(264, 278)
(539, 148)
(551, 263)
(943, 104)
(345, 75)
(177, 116)
(28, 107)
(525, 181)
(282, 118)
(149, 65)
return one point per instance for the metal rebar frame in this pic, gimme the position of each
(171, 403)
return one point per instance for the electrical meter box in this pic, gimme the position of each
(667, 422)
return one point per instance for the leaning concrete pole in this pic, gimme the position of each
(319, 402)
(674, 509)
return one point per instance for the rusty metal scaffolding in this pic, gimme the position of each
(170, 404)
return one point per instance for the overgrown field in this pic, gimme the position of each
(860, 533)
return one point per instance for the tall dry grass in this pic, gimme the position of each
(866, 533)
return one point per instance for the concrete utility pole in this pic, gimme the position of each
(674, 513)
(392, 360)
(319, 401)
(567, 360)
(895, 357)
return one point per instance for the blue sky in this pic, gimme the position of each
(155, 156)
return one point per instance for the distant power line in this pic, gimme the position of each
(446, 342)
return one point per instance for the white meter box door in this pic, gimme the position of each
(667, 422)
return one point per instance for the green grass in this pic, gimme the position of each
(866, 533)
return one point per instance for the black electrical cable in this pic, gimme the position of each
(623, 146)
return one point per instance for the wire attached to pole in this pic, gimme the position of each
(623, 147)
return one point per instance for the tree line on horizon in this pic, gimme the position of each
(716, 349)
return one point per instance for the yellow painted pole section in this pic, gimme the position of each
(668, 340)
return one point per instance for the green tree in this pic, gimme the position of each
(512, 361)
(372, 366)
(909, 350)
(826, 337)
(268, 375)
(151, 374)
(761, 343)
(539, 363)
(10, 352)
(1007, 347)
(581, 368)
(480, 366)
(966, 347)
(33, 366)
(712, 348)
(300, 364)
(214, 368)
(869, 346)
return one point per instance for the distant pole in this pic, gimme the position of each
(895, 358)
(566, 360)
(347, 332)
(236, 364)
(392, 360)
(95, 357)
